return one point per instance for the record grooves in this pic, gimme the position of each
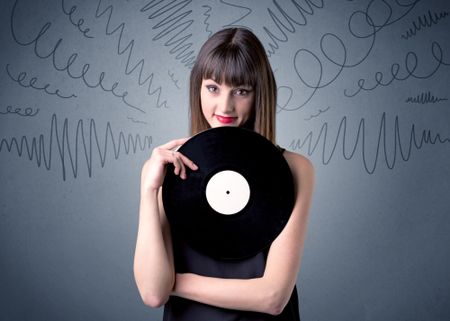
(239, 199)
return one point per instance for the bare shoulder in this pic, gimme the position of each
(302, 171)
(300, 165)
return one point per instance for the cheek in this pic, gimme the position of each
(249, 107)
(203, 103)
(205, 100)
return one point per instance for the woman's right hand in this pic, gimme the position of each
(154, 169)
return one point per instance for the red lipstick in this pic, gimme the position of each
(225, 119)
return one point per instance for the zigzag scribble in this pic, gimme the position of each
(348, 152)
(424, 21)
(42, 149)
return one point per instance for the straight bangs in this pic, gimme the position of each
(230, 65)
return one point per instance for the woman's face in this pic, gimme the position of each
(223, 105)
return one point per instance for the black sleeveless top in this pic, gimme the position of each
(188, 260)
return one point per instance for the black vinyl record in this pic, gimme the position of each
(239, 199)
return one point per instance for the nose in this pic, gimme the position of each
(226, 104)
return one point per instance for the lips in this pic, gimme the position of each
(225, 119)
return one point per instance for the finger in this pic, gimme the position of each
(177, 163)
(188, 162)
(184, 162)
(180, 168)
(183, 171)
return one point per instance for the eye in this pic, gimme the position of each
(241, 92)
(211, 88)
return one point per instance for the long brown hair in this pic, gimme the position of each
(237, 57)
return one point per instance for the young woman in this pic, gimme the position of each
(231, 84)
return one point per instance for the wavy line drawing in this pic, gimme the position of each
(173, 25)
(234, 23)
(424, 21)
(79, 23)
(341, 59)
(32, 84)
(24, 112)
(289, 24)
(41, 149)
(411, 62)
(54, 57)
(207, 15)
(172, 77)
(129, 48)
(137, 121)
(425, 98)
(317, 115)
(416, 140)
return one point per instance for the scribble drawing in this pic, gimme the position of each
(317, 114)
(207, 15)
(235, 22)
(173, 27)
(325, 142)
(425, 98)
(137, 121)
(121, 49)
(287, 21)
(362, 27)
(411, 62)
(79, 23)
(172, 77)
(54, 55)
(424, 21)
(20, 79)
(24, 112)
(84, 145)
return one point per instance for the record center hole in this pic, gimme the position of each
(228, 192)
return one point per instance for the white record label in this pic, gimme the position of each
(227, 192)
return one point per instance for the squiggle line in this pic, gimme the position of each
(78, 24)
(129, 47)
(174, 23)
(234, 23)
(172, 77)
(405, 152)
(31, 84)
(24, 112)
(341, 58)
(289, 23)
(317, 115)
(136, 121)
(40, 149)
(424, 22)
(36, 43)
(205, 22)
(425, 98)
(411, 62)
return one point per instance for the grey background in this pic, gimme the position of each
(73, 143)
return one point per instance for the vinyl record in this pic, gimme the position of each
(239, 199)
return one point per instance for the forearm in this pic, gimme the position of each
(153, 267)
(257, 294)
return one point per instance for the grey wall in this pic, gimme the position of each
(89, 88)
